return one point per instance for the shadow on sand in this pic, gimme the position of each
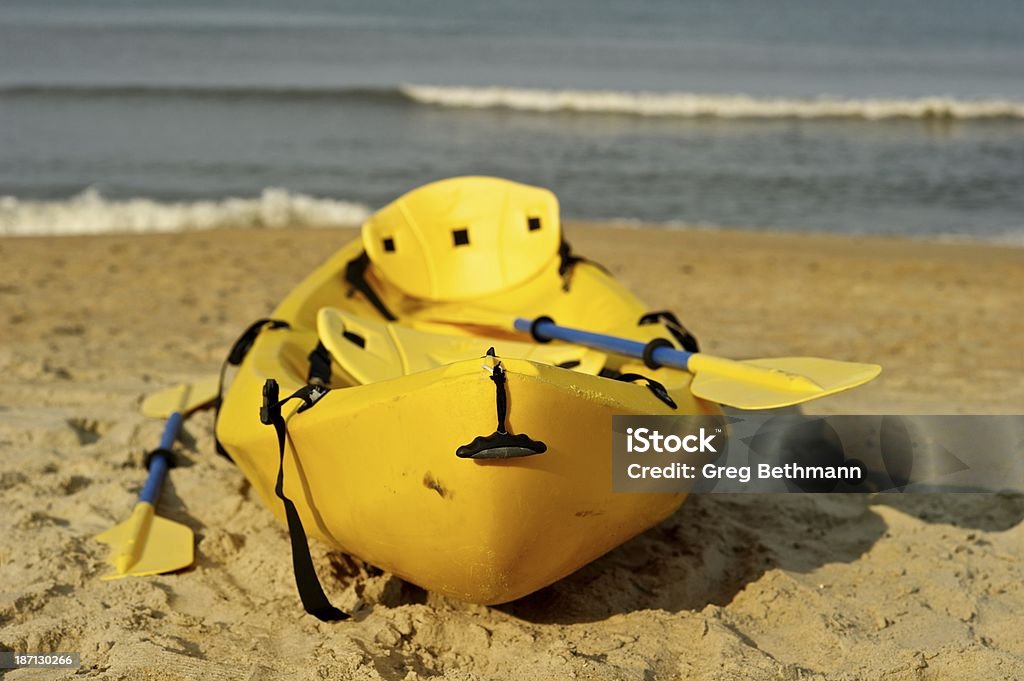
(716, 544)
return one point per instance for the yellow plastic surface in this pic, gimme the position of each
(147, 544)
(371, 467)
(510, 231)
(184, 397)
(387, 351)
(379, 359)
(774, 382)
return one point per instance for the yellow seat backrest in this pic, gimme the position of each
(464, 237)
(371, 351)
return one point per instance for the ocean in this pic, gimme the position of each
(855, 117)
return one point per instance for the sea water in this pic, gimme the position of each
(874, 116)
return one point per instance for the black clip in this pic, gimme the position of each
(310, 395)
(271, 409)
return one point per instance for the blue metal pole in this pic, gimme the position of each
(622, 346)
(159, 464)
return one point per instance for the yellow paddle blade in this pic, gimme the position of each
(773, 383)
(147, 544)
(372, 351)
(463, 315)
(184, 397)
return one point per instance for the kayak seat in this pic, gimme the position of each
(371, 351)
(463, 238)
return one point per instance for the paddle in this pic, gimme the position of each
(744, 384)
(147, 544)
(184, 397)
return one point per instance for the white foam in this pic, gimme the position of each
(691, 105)
(91, 213)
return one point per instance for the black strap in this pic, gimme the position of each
(657, 388)
(314, 600)
(355, 274)
(500, 444)
(686, 340)
(501, 399)
(567, 260)
(238, 351)
(319, 366)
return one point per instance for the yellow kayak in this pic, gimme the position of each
(449, 450)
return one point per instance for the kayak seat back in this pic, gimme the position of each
(463, 238)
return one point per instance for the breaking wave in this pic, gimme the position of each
(691, 105)
(91, 213)
(539, 100)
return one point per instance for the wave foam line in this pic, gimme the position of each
(91, 213)
(690, 105)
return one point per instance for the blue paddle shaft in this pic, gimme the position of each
(159, 464)
(664, 356)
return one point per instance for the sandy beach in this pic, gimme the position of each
(731, 587)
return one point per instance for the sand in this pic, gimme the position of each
(731, 587)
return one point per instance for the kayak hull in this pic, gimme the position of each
(372, 469)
